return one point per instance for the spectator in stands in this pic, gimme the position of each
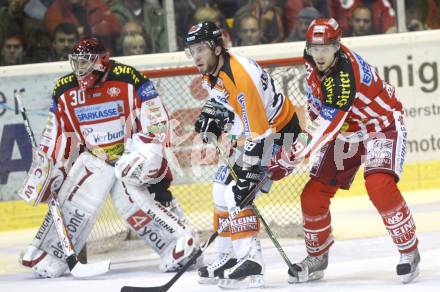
(12, 50)
(304, 18)
(37, 8)
(184, 14)
(13, 20)
(384, 16)
(65, 37)
(293, 7)
(151, 16)
(207, 13)
(40, 50)
(91, 17)
(433, 14)
(131, 28)
(270, 18)
(361, 22)
(134, 45)
(247, 31)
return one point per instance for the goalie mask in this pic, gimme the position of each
(322, 42)
(89, 61)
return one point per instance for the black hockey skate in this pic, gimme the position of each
(210, 274)
(245, 274)
(309, 269)
(408, 267)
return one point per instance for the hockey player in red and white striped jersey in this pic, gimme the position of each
(356, 118)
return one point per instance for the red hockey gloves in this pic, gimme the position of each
(282, 164)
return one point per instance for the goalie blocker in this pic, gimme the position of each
(81, 200)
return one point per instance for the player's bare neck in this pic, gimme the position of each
(218, 66)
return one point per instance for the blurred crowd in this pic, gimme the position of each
(33, 31)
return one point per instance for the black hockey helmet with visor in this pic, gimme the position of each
(206, 32)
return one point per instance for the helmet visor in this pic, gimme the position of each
(196, 49)
(82, 64)
(322, 50)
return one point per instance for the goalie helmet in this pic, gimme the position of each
(205, 31)
(89, 60)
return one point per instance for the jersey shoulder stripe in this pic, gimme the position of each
(63, 84)
(125, 73)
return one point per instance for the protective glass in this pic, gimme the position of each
(82, 64)
(196, 49)
(322, 50)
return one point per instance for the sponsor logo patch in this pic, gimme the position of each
(99, 111)
(147, 91)
(139, 220)
(328, 113)
(365, 70)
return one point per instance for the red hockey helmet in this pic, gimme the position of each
(89, 60)
(323, 32)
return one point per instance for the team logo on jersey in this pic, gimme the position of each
(113, 91)
(99, 111)
(147, 91)
(364, 70)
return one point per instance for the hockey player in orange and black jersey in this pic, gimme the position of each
(356, 117)
(244, 100)
(112, 115)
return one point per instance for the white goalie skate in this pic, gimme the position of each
(408, 267)
(309, 269)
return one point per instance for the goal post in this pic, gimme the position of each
(194, 164)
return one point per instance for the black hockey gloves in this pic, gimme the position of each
(213, 120)
(248, 179)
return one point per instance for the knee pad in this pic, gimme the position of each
(382, 191)
(315, 198)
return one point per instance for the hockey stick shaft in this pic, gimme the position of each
(76, 268)
(265, 224)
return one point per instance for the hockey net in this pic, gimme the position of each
(194, 165)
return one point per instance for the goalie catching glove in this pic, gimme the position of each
(214, 119)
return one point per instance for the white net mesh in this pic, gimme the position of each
(194, 166)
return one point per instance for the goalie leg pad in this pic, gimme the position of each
(159, 227)
(80, 200)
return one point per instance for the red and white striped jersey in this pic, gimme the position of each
(350, 99)
(102, 118)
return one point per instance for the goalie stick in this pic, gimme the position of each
(202, 248)
(266, 226)
(76, 268)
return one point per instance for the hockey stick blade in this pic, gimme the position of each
(89, 270)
